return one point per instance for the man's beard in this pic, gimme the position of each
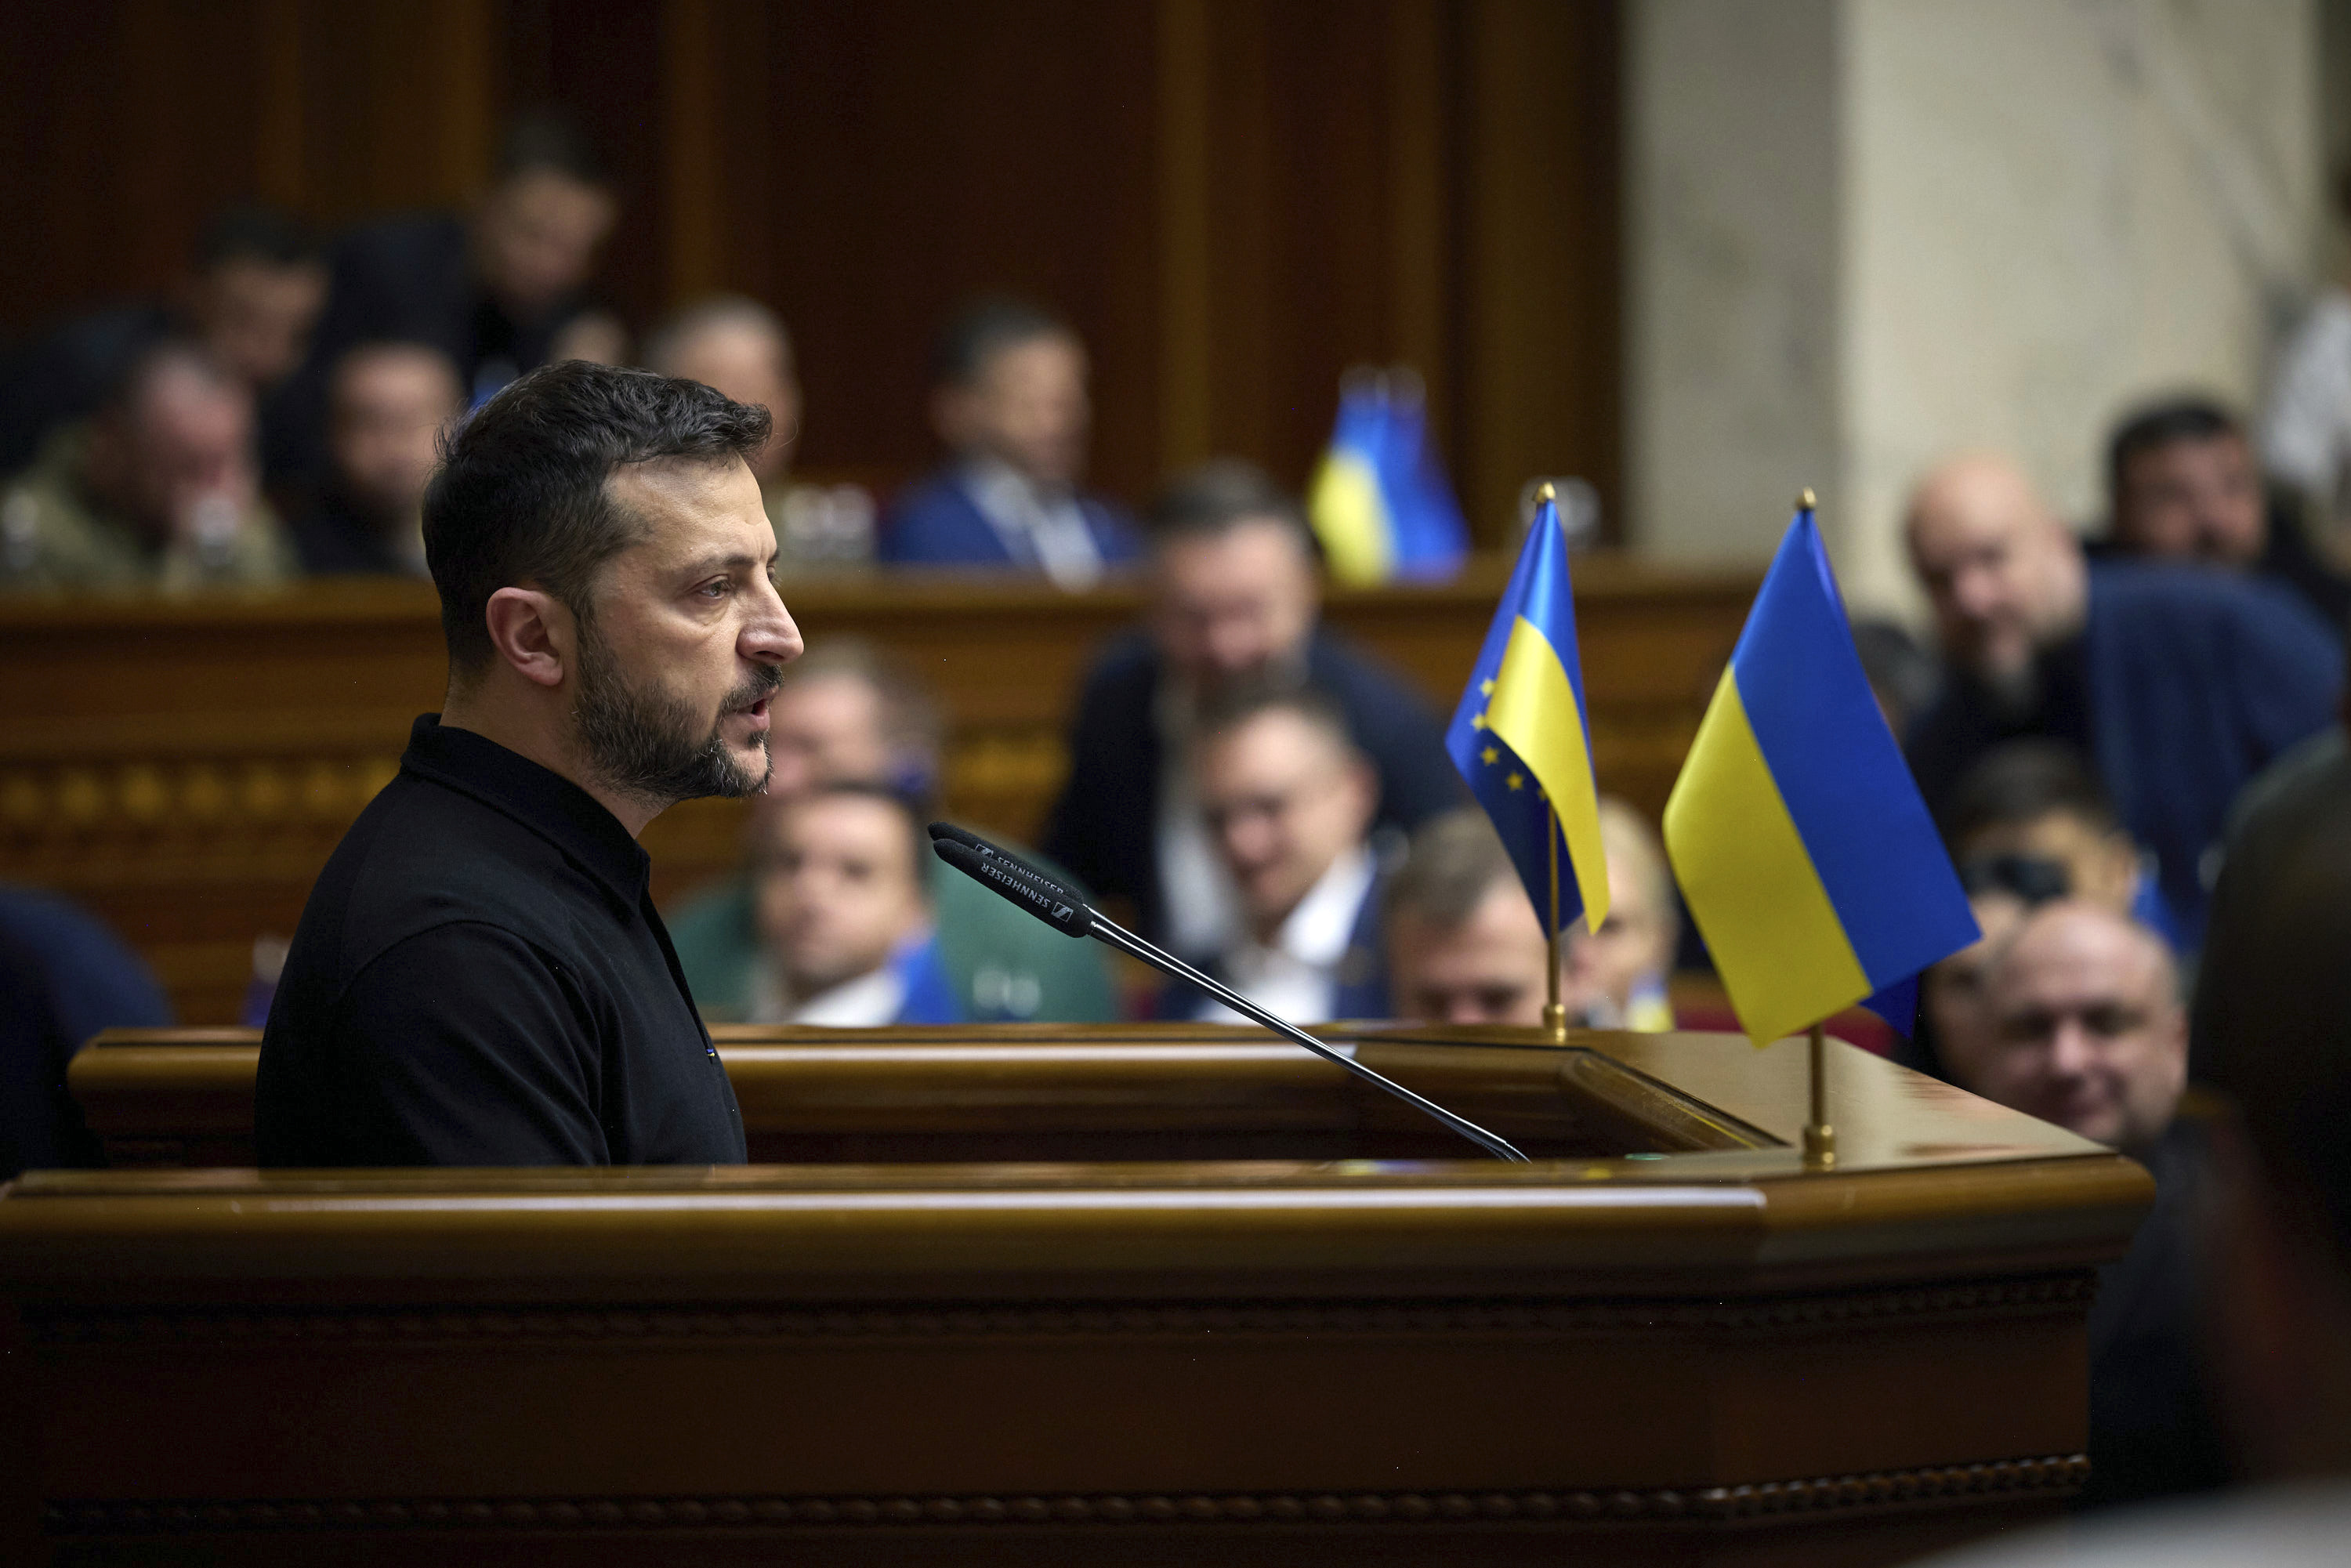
(644, 743)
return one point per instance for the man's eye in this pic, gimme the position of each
(717, 588)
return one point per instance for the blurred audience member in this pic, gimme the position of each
(2183, 486)
(1464, 945)
(250, 297)
(1009, 399)
(2087, 1031)
(387, 406)
(2181, 683)
(844, 911)
(63, 977)
(739, 346)
(1289, 799)
(2037, 801)
(845, 715)
(496, 291)
(157, 488)
(2271, 1007)
(1234, 596)
(1952, 992)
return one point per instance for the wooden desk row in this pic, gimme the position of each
(1234, 1328)
(183, 767)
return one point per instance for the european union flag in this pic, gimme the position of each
(1806, 856)
(1518, 736)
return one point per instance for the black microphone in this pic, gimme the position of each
(1057, 906)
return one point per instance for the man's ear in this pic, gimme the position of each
(951, 416)
(533, 633)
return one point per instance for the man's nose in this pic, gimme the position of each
(770, 636)
(2072, 1052)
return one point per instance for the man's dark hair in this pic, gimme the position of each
(2273, 1017)
(985, 329)
(2160, 424)
(519, 498)
(1219, 496)
(1235, 705)
(249, 231)
(2022, 781)
(550, 140)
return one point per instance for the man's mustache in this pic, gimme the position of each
(755, 691)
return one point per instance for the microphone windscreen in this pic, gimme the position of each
(1041, 897)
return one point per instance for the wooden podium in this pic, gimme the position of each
(1130, 1295)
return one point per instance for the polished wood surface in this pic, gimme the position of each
(1678, 1345)
(185, 767)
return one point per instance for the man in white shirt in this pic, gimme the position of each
(1288, 800)
(844, 914)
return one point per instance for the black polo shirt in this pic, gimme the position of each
(480, 979)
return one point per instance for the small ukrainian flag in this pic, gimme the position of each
(1379, 501)
(1807, 858)
(1519, 736)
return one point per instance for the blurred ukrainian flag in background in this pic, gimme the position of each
(1520, 737)
(1379, 500)
(1802, 848)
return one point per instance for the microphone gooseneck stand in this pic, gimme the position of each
(1058, 906)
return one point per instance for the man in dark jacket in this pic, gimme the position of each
(480, 976)
(2178, 683)
(1235, 597)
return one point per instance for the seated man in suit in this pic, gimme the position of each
(739, 346)
(845, 921)
(2085, 1028)
(387, 406)
(1289, 799)
(1464, 945)
(1010, 402)
(157, 489)
(2178, 683)
(846, 715)
(1236, 596)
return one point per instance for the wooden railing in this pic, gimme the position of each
(183, 767)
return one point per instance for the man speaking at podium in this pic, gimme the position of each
(479, 978)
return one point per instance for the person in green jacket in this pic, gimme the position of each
(846, 713)
(158, 488)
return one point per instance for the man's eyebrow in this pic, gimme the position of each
(709, 563)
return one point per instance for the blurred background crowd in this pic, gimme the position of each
(2105, 618)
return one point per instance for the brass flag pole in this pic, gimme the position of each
(1820, 1138)
(1554, 1010)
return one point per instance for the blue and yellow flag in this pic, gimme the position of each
(1518, 736)
(1379, 501)
(1806, 856)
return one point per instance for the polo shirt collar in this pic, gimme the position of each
(539, 799)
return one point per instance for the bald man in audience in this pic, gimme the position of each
(2085, 1028)
(1464, 945)
(160, 488)
(1289, 799)
(2178, 684)
(739, 346)
(387, 406)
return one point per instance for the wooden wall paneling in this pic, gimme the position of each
(1540, 290)
(1186, 178)
(924, 154)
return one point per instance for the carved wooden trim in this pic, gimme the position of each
(1656, 1505)
(376, 1325)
